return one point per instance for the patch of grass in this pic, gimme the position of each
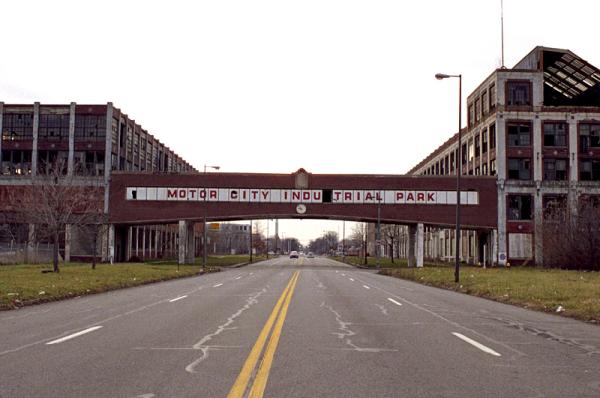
(384, 262)
(216, 261)
(22, 285)
(26, 284)
(578, 292)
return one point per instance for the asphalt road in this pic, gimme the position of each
(293, 328)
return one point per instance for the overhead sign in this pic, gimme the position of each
(338, 196)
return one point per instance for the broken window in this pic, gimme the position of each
(519, 168)
(589, 170)
(555, 134)
(492, 97)
(49, 161)
(16, 162)
(484, 103)
(477, 110)
(493, 167)
(519, 207)
(477, 146)
(519, 134)
(519, 93)
(17, 126)
(484, 141)
(53, 127)
(492, 130)
(90, 127)
(555, 169)
(471, 151)
(471, 115)
(589, 136)
(555, 207)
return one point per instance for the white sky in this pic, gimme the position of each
(271, 86)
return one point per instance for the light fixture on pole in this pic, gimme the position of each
(458, 168)
(205, 241)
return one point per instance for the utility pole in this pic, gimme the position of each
(344, 241)
(250, 240)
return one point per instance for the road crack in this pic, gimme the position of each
(202, 343)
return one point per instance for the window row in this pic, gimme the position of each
(53, 127)
(482, 105)
(554, 169)
(554, 206)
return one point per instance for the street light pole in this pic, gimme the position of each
(458, 168)
(205, 241)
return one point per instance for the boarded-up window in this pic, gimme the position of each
(520, 246)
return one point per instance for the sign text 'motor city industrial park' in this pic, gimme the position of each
(339, 196)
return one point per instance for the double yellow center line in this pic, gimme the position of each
(276, 318)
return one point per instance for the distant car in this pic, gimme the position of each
(293, 254)
(310, 255)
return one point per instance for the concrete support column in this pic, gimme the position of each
(137, 242)
(502, 233)
(129, 243)
(34, 150)
(538, 236)
(111, 243)
(67, 243)
(419, 244)
(143, 242)
(191, 244)
(108, 154)
(71, 161)
(415, 245)
(186, 242)
(157, 235)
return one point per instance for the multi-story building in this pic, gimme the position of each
(90, 141)
(536, 128)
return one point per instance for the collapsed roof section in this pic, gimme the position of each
(569, 80)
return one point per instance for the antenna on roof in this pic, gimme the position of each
(502, 30)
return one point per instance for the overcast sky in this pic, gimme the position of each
(271, 86)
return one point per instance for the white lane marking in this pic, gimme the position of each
(177, 298)
(435, 314)
(218, 284)
(251, 273)
(476, 344)
(351, 279)
(394, 301)
(71, 336)
(366, 287)
(239, 277)
(343, 274)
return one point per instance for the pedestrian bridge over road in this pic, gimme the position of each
(146, 198)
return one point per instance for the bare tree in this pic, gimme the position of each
(53, 200)
(572, 240)
(391, 234)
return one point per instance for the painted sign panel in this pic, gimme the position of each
(255, 195)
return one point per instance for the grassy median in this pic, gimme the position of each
(26, 284)
(570, 293)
